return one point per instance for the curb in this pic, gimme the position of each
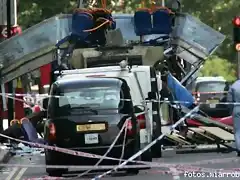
(204, 150)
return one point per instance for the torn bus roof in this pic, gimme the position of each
(35, 46)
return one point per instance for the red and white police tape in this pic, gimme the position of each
(131, 159)
(149, 145)
(64, 150)
(12, 96)
(110, 148)
(46, 95)
(89, 155)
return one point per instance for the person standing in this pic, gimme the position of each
(234, 97)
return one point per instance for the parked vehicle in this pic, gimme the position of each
(210, 91)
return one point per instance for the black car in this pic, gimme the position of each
(211, 94)
(90, 122)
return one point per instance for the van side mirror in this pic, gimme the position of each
(151, 95)
(45, 103)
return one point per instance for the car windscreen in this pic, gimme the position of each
(209, 86)
(97, 97)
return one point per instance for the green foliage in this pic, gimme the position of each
(33, 11)
(216, 66)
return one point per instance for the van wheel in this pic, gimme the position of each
(147, 156)
(50, 160)
(156, 150)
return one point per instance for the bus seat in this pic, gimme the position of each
(81, 20)
(162, 22)
(142, 22)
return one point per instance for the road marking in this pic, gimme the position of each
(12, 173)
(20, 174)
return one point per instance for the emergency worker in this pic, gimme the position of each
(234, 97)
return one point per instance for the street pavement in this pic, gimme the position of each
(4, 154)
(11, 172)
(32, 173)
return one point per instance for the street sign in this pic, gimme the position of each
(237, 47)
(3, 12)
(14, 31)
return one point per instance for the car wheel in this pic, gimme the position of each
(51, 160)
(132, 171)
(54, 172)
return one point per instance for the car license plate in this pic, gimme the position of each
(212, 103)
(91, 138)
(91, 127)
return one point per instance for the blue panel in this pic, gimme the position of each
(162, 22)
(125, 22)
(81, 21)
(191, 30)
(143, 23)
(179, 91)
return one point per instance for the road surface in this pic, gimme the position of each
(16, 173)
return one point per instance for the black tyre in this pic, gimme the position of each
(132, 171)
(54, 172)
(52, 160)
(157, 149)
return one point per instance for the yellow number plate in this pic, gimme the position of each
(91, 127)
(212, 101)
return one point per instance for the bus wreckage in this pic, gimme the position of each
(156, 54)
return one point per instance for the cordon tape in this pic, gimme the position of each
(64, 150)
(83, 154)
(12, 96)
(147, 164)
(149, 145)
(131, 159)
(110, 148)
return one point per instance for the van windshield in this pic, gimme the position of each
(103, 97)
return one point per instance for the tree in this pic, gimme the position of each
(216, 66)
(32, 12)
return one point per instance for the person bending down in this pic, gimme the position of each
(16, 131)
